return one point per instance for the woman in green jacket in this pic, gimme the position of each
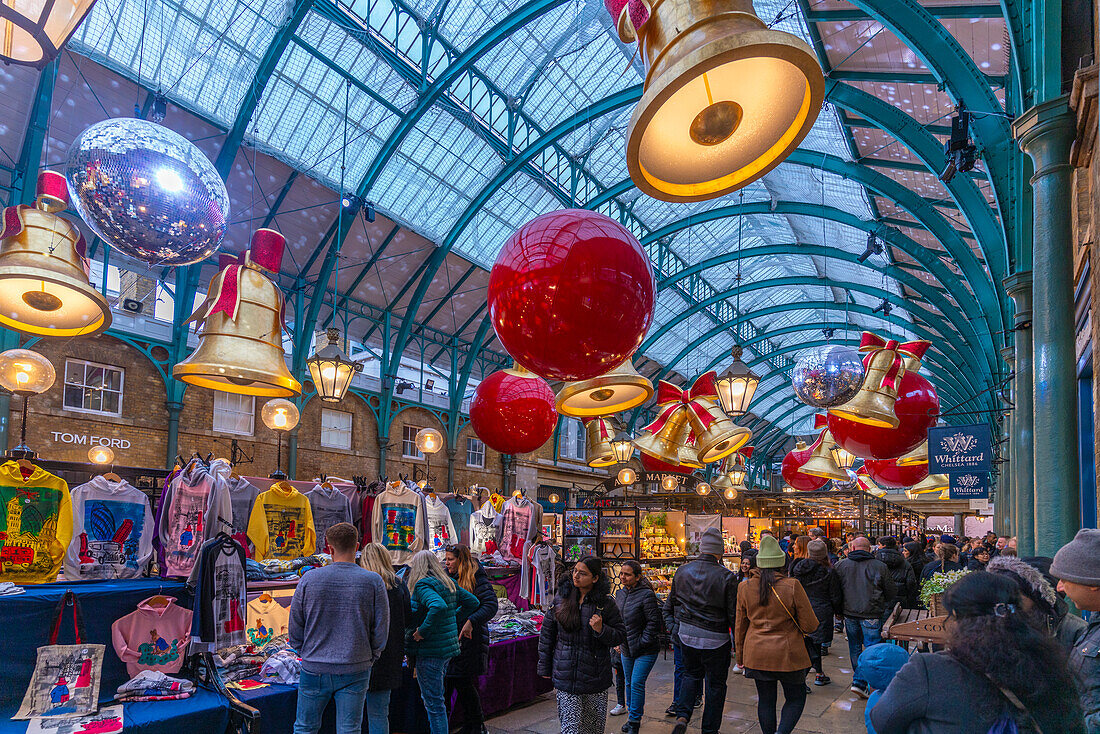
(432, 636)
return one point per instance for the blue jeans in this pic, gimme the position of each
(314, 692)
(862, 633)
(677, 670)
(636, 670)
(378, 712)
(429, 674)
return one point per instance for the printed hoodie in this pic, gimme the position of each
(483, 527)
(398, 515)
(267, 619)
(112, 531)
(519, 521)
(36, 524)
(281, 525)
(242, 496)
(441, 529)
(153, 637)
(199, 509)
(329, 507)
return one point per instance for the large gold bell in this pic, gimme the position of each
(44, 287)
(599, 433)
(242, 355)
(867, 484)
(689, 454)
(821, 462)
(931, 484)
(726, 99)
(620, 389)
(874, 403)
(919, 455)
(721, 438)
(666, 442)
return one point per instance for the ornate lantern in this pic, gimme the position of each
(32, 32)
(736, 386)
(332, 369)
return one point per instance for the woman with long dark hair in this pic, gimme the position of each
(773, 615)
(998, 668)
(822, 586)
(642, 620)
(575, 647)
(473, 636)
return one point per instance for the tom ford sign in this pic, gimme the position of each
(87, 439)
(959, 449)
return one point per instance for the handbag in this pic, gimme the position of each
(811, 646)
(65, 682)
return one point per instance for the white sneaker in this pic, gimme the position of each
(619, 710)
(737, 668)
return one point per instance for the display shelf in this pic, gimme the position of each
(661, 535)
(619, 533)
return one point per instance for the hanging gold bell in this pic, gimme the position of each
(721, 437)
(873, 405)
(241, 337)
(931, 484)
(599, 433)
(612, 392)
(821, 462)
(44, 286)
(726, 99)
(689, 454)
(868, 485)
(665, 439)
(919, 455)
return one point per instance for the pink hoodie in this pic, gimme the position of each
(153, 637)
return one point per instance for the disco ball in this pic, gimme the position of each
(827, 376)
(148, 192)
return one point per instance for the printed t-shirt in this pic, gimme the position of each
(36, 524)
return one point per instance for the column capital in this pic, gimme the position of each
(1018, 288)
(1045, 133)
(1008, 354)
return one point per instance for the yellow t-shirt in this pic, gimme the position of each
(36, 524)
(281, 524)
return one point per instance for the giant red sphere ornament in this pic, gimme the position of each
(917, 408)
(571, 295)
(792, 462)
(888, 474)
(513, 411)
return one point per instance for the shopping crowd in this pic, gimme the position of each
(1016, 658)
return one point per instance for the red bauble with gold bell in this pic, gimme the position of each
(792, 462)
(917, 407)
(571, 295)
(513, 411)
(888, 474)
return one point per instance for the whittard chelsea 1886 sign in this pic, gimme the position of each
(969, 486)
(958, 449)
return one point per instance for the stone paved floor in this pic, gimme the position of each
(831, 709)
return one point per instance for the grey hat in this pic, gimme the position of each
(711, 542)
(816, 550)
(1079, 560)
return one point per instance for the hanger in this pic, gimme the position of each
(158, 601)
(26, 468)
(325, 483)
(112, 477)
(266, 597)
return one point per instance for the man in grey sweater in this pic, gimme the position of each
(339, 623)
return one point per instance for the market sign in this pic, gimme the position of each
(969, 486)
(958, 449)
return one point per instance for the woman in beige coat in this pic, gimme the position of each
(773, 616)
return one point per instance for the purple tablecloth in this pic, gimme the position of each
(510, 582)
(511, 678)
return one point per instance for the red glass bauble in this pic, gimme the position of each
(653, 464)
(571, 295)
(792, 462)
(917, 408)
(888, 475)
(513, 412)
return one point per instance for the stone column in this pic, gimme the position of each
(451, 451)
(292, 454)
(1045, 133)
(960, 525)
(1009, 473)
(506, 463)
(1018, 287)
(172, 446)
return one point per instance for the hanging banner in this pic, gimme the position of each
(954, 449)
(969, 486)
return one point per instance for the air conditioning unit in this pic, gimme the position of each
(129, 305)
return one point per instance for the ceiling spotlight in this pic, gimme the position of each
(884, 307)
(874, 247)
(828, 332)
(401, 386)
(959, 150)
(351, 203)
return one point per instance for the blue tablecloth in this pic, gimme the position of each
(206, 712)
(26, 619)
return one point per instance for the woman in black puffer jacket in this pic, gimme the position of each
(575, 646)
(822, 586)
(642, 620)
(473, 636)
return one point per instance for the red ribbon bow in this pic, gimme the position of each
(604, 425)
(873, 343)
(224, 294)
(672, 400)
(635, 13)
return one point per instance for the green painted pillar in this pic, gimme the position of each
(1018, 287)
(175, 407)
(292, 454)
(1045, 133)
(1009, 467)
(506, 463)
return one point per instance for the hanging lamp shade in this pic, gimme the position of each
(280, 415)
(25, 372)
(919, 455)
(332, 369)
(612, 392)
(931, 484)
(726, 98)
(736, 386)
(623, 447)
(241, 336)
(32, 32)
(44, 285)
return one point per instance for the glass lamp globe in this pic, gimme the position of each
(280, 414)
(35, 32)
(627, 476)
(429, 440)
(554, 498)
(669, 483)
(702, 488)
(25, 372)
(736, 386)
(331, 369)
(731, 493)
(101, 455)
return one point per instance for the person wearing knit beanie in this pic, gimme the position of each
(816, 550)
(710, 542)
(771, 555)
(1077, 566)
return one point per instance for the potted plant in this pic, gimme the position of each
(931, 591)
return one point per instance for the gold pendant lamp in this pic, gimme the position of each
(241, 338)
(44, 285)
(726, 98)
(613, 392)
